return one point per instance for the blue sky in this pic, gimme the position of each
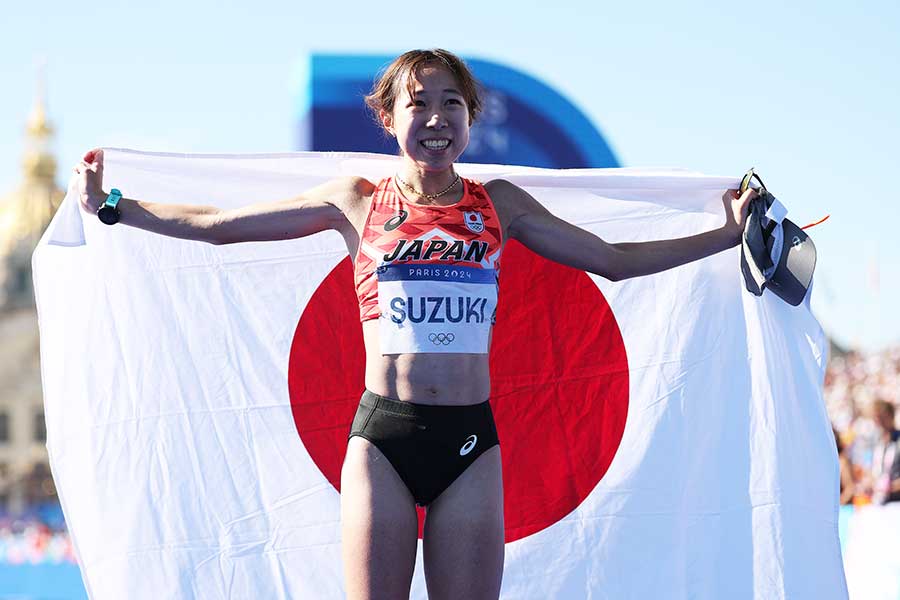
(808, 93)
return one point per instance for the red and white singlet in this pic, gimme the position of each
(430, 273)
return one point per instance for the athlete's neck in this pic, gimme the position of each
(430, 183)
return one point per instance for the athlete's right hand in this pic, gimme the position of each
(90, 180)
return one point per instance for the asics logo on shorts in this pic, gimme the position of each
(470, 443)
(441, 338)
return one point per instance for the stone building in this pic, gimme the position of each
(24, 214)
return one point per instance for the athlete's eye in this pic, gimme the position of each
(416, 103)
(455, 101)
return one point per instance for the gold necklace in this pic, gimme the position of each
(428, 196)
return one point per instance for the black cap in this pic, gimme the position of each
(777, 256)
(794, 272)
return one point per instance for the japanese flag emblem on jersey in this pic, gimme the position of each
(474, 221)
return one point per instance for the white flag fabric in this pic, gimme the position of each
(663, 436)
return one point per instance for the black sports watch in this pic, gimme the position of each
(109, 211)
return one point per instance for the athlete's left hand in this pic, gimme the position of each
(736, 210)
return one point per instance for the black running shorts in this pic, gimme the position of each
(429, 446)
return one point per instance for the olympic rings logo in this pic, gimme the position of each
(441, 338)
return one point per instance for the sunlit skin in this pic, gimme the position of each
(463, 541)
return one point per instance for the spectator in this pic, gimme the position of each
(853, 382)
(848, 482)
(885, 455)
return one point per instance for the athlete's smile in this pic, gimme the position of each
(436, 145)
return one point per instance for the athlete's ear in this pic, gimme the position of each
(387, 121)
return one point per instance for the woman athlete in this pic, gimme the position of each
(426, 247)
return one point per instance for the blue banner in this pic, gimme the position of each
(525, 122)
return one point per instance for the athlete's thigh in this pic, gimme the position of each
(463, 540)
(379, 526)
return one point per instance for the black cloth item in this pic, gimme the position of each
(429, 446)
(766, 241)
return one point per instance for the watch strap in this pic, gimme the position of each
(113, 199)
(108, 212)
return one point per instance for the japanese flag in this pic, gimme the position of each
(663, 437)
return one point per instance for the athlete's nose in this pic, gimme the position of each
(437, 121)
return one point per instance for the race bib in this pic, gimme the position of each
(435, 308)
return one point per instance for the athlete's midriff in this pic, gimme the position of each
(425, 378)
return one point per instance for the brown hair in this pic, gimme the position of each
(384, 92)
(883, 408)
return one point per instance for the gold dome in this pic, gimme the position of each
(38, 165)
(26, 212)
(37, 126)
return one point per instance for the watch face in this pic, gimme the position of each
(108, 215)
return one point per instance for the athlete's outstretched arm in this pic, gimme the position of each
(551, 237)
(316, 210)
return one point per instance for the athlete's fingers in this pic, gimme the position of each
(748, 195)
(745, 201)
(93, 155)
(741, 206)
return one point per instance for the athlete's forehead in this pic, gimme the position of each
(430, 79)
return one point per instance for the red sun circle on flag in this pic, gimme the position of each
(559, 384)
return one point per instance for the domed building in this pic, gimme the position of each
(24, 214)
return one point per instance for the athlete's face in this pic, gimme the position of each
(432, 126)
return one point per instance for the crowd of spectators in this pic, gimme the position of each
(862, 395)
(30, 539)
(36, 534)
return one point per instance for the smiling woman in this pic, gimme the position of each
(426, 246)
(415, 90)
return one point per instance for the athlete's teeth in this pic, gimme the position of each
(436, 144)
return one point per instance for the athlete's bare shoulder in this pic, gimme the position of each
(351, 195)
(345, 192)
(502, 190)
(510, 201)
